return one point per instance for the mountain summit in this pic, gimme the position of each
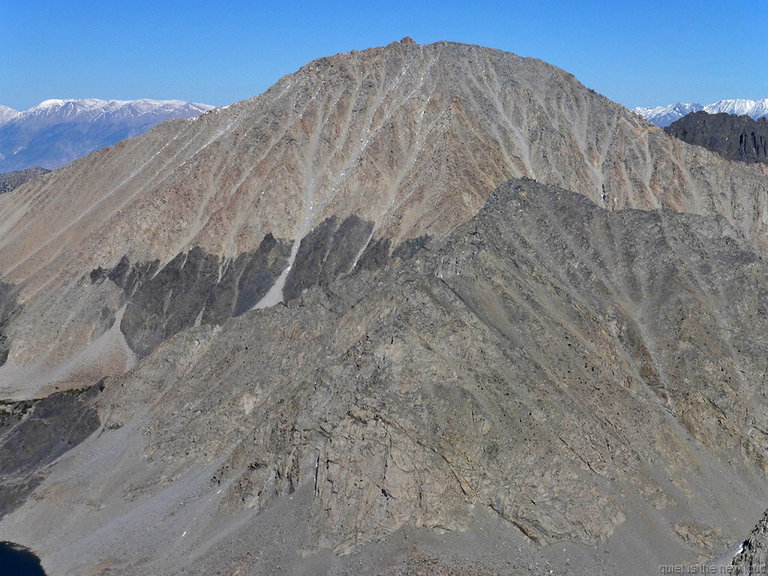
(415, 309)
(55, 132)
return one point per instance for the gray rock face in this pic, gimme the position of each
(752, 558)
(8, 309)
(566, 369)
(733, 137)
(196, 287)
(326, 253)
(12, 180)
(192, 288)
(33, 433)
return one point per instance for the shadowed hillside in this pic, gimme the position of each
(733, 137)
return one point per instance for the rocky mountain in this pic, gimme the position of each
(414, 310)
(734, 137)
(56, 132)
(665, 115)
(11, 180)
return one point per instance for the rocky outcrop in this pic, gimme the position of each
(12, 180)
(326, 253)
(198, 288)
(192, 288)
(737, 138)
(34, 433)
(8, 310)
(752, 558)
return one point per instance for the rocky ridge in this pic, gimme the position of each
(752, 557)
(432, 391)
(11, 180)
(737, 138)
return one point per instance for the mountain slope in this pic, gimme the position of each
(733, 137)
(556, 365)
(411, 139)
(568, 360)
(56, 132)
(7, 113)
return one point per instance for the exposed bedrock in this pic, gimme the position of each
(752, 557)
(8, 308)
(194, 287)
(9, 181)
(330, 250)
(733, 137)
(34, 433)
(199, 288)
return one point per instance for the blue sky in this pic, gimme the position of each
(636, 53)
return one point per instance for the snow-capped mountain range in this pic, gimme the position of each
(665, 115)
(55, 132)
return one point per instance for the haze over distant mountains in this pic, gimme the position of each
(55, 132)
(665, 115)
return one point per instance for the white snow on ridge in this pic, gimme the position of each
(92, 109)
(754, 108)
(7, 114)
(665, 115)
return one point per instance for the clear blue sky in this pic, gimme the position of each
(636, 53)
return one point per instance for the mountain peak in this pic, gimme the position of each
(7, 113)
(52, 103)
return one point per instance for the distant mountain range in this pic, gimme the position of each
(55, 132)
(665, 115)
